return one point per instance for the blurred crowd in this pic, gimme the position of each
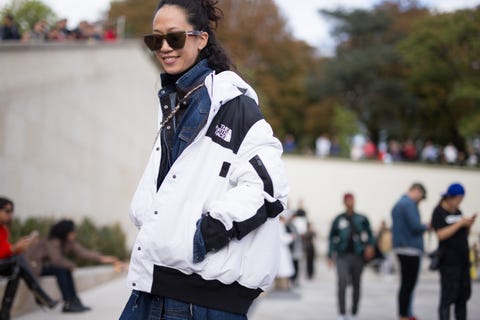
(58, 31)
(361, 147)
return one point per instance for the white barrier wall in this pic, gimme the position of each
(76, 126)
(321, 184)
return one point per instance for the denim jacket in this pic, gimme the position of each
(407, 229)
(196, 115)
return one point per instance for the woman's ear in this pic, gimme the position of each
(203, 40)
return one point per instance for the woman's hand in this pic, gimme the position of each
(22, 244)
(108, 259)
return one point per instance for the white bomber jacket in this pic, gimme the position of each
(229, 185)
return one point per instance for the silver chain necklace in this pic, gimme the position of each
(174, 111)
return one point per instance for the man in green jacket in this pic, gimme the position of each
(351, 243)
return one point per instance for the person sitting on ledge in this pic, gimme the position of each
(13, 265)
(49, 258)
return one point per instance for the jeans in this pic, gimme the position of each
(64, 281)
(146, 306)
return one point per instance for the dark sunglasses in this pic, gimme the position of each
(176, 40)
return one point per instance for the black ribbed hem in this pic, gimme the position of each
(213, 294)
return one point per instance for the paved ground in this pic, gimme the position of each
(316, 300)
(311, 300)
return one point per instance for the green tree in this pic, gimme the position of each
(366, 73)
(443, 56)
(28, 12)
(272, 60)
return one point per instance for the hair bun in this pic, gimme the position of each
(214, 13)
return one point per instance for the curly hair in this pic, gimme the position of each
(204, 15)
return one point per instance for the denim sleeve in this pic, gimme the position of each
(413, 219)
(199, 250)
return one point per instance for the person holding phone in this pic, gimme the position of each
(452, 229)
(13, 265)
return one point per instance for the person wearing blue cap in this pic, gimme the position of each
(452, 229)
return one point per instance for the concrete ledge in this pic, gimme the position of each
(85, 278)
(68, 45)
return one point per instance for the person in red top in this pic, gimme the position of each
(14, 266)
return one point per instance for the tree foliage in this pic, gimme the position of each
(443, 58)
(270, 58)
(400, 68)
(366, 71)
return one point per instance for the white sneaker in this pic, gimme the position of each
(342, 317)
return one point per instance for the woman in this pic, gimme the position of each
(13, 265)
(207, 205)
(49, 258)
(452, 230)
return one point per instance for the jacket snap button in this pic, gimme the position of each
(174, 176)
(165, 107)
(134, 284)
(139, 248)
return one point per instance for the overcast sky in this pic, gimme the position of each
(302, 15)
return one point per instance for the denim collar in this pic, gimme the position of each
(188, 80)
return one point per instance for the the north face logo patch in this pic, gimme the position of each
(223, 132)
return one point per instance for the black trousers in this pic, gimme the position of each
(14, 268)
(349, 270)
(456, 290)
(296, 265)
(409, 269)
(310, 259)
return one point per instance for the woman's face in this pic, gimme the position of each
(171, 18)
(71, 236)
(6, 214)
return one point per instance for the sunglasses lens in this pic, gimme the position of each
(176, 40)
(153, 41)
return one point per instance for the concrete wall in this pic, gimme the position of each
(76, 126)
(77, 123)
